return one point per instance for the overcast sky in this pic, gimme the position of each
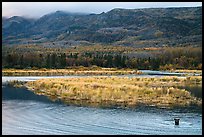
(38, 9)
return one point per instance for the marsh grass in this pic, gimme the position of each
(116, 91)
(94, 70)
(16, 83)
(188, 71)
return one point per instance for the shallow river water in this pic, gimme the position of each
(23, 112)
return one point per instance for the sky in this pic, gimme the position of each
(38, 9)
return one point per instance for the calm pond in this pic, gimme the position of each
(23, 112)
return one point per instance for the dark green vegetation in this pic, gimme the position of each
(126, 27)
(36, 56)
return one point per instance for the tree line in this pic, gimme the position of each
(176, 58)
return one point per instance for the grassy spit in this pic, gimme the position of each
(118, 91)
(187, 71)
(68, 71)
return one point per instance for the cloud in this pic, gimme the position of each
(37, 9)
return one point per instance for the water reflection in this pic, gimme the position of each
(26, 113)
(11, 93)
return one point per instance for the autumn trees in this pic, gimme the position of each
(167, 58)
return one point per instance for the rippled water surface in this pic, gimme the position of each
(23, 112)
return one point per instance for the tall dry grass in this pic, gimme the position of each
(69, 71)
(115, 91)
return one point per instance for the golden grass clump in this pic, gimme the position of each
(118, 91)
(93, 70)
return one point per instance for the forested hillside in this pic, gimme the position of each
(159, 38)
(127, 27)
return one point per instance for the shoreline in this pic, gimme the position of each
(69, 71)
(80, 71)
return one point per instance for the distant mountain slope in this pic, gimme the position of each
(130, 27)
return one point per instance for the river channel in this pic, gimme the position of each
(25, 113)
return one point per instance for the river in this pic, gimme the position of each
(24, 113)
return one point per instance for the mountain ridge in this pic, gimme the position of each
(127, 27)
